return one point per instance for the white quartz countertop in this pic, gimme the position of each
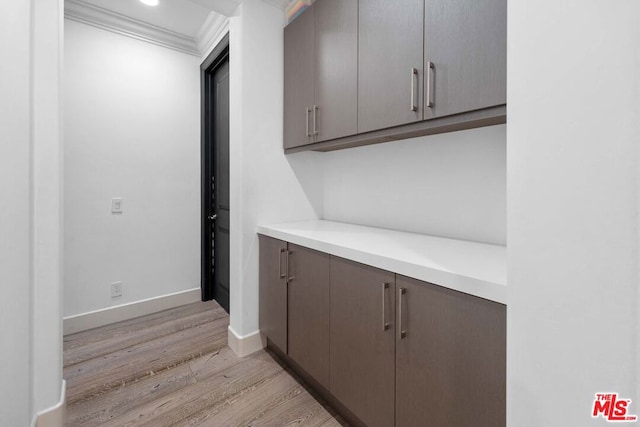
(478, 269)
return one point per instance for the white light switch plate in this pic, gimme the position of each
(116, 289)
(116, 205)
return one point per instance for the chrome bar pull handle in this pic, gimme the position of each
(315, 120)
(307, 112)
(414, 78)
(430, 69)
(289, 278)
(385, 324)
(403, 333)
(280, 273)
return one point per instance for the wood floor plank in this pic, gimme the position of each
(247, 405)
(302, 409)
(101, 409)
(298, 407)
(123, 399)
(103, 373)
(253, 406)
(175, 368)
(157, 347)
(137, 324)
(334, 423)
(208, 365)
(206, 393)
(81, 353)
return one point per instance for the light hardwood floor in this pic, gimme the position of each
(174, 368)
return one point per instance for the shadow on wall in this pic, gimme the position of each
(308, 170)
(451, 185)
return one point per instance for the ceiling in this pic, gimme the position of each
(185, 17)
(181, 16)
(189, 26)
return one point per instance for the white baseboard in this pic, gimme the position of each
(54, 416)
(245, 345)
(105, 316)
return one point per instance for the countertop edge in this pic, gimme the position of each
(470, 285)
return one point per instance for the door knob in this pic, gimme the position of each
(213, 217)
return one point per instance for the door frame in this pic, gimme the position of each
(217, 55)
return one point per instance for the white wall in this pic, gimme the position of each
(132, 130)
(266, 186)
(15, 306)
(573, 136)
(451, 185)
(47, 208)
(30, 218)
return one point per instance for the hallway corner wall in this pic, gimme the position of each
(132, 131)
(266, 186)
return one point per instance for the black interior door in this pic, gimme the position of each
(215, 182)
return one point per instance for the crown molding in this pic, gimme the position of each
(98, 17)
(213, 28)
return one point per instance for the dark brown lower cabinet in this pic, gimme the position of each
(390, 349)
(450, 358)
(273, 291)
(363, 340)
(308, 319)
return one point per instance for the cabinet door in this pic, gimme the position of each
(309, 311)
(336, 69)
(390, 40)
(298, 79)
(466, 41)
(450, 359)
(363, 340)
(273, 291)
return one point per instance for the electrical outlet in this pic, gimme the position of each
(116, 289)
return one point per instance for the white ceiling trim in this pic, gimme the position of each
(120, 24)
(213, 28)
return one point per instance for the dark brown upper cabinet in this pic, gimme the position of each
(320, 73)
(465, 56)
(369, 71)
(390, 50)
(299, 98)
(336, 69)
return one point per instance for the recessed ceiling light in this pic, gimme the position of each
(150, 2)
